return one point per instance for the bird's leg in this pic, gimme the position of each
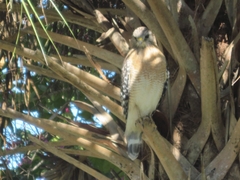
(140, 119)
(145, 120)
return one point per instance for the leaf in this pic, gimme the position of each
(104, 166)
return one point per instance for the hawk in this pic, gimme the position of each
(143, 78)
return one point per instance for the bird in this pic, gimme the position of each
(143, 76)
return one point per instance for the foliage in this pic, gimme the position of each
(56, 55)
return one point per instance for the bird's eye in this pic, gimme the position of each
(147, 36)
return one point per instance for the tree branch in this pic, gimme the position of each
(106, 55)
(67, 158)
(181, 49)
(208, 17)
(219, 167)
(71, 78)
(173, 96)
(118, 41)
(158, 144)
(129, 167)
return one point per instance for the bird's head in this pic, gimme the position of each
(142, 37)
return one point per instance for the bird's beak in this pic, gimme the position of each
(140, 39)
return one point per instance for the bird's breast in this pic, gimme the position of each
(147, 78)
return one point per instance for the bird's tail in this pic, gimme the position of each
(134, 142)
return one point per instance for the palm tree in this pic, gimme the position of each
(76, 54)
